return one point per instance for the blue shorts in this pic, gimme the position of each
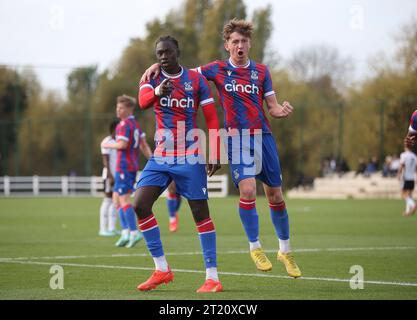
(124, 182)
(254, 156)
(190, 179)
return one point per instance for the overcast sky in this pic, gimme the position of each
(70, 33)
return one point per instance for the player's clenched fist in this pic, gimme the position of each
(286, 108)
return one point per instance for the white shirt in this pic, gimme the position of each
(112, 153)
(409, 160)
(395, 164)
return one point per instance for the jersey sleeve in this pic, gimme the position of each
(146, 94)
(122, 131)
(267, 85)
(105, 150)
(204, 92)
(209, 71)
(147, 84)
(413, 123)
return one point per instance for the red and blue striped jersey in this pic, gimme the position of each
(413, 123)
(176, 114)
(241, 92)
(128, 159)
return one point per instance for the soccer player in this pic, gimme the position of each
(176, 95)
(107, 209)
(243, 85)
(129, 139)
(173, 205)
(406, 173)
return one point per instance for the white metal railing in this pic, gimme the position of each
(68, 185)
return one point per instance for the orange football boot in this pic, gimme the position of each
(157, 278)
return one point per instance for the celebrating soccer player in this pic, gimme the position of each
(129, 139)
(176, 95)
(243, 84)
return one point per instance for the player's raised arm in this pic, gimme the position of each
(276, 110)
(151, 73)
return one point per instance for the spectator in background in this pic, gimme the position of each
(342, 167)
(386, 166)
(325, 167)
(361, 167)
(372, 166)
(394, 166)
(333, 165)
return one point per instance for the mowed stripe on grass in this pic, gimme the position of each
(328, 238)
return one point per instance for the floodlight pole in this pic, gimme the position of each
(87, 137)
(16, 125)
(340, 133)
(381, 131)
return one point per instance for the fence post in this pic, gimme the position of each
(35, 185)
(93, 186)
(64, 185)
(7, 186)
(225, 185)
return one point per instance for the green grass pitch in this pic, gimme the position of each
(328, 238)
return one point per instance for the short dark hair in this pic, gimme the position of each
(113, 125)
(127, 100)
(168, 38)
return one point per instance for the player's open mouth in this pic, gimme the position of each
(240, 53)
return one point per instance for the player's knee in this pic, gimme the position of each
(247, 192)
(199, 209)
(142, 209)
(275, 198)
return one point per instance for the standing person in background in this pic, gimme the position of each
(107, 209)
(129, 139)
(407, 173)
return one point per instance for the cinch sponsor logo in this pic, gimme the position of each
(249, 88)
(177, 103)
